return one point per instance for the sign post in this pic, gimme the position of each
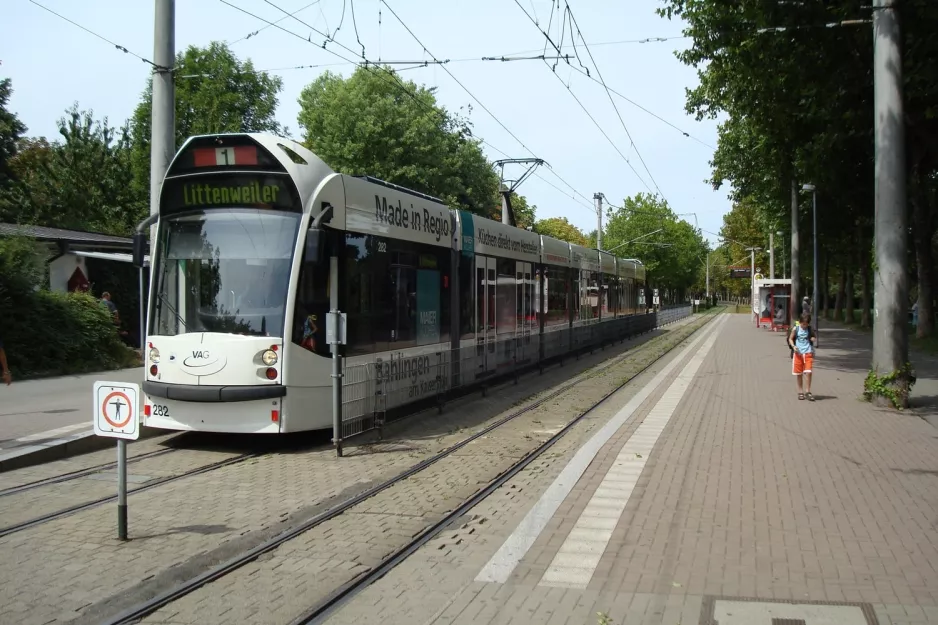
(116, 415)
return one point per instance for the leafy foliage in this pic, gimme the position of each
(215, 92)
(76, 332)
(82, 182)
(11, 129)
(561, 229)
(673, 257)
(368, 125)
(893, 387)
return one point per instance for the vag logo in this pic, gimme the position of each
(200, 358)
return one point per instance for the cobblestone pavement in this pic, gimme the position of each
(74, 569)
(751, 508)
(324, 558)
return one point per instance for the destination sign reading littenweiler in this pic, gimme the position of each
(244, 190)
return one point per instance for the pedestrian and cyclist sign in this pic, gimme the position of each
(116, 411)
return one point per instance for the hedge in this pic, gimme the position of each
(46, 333)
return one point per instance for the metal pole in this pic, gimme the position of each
(891, 278)
(814, 313)
(143, 318)
(752, 276)
(336, 356)
(708, 275)
(163, 112)
(122, 488)
(772, 255)
(599, 220)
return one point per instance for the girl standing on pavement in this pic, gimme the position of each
(801, 340)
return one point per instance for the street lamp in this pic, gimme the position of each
(813, 190)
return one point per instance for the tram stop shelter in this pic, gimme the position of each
(65, 252)
(771, 299)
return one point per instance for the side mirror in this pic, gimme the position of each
(314, 241)
(139, 249)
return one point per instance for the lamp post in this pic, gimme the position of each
(813, 190)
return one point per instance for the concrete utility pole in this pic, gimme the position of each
(890, 284)
(599, 220)
(708, 275)
(163, 106)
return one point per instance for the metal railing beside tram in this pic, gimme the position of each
(376, 391)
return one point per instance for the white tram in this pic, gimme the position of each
(254, 229)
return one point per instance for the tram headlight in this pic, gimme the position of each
(269, 358)
(154, 355)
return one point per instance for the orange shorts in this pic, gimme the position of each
(801, 363)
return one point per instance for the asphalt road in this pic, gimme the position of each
(32, 407)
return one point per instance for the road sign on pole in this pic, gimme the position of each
(116, 414)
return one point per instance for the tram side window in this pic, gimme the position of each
(608, 294)
(575, 294)
(312, 303)
(556, 296)
(367, 298)
(506, 306)
(397, 293)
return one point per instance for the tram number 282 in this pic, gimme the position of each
(160, 411)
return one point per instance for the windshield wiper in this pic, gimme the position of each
(179, 318)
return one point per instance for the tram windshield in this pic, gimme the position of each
(224, 271)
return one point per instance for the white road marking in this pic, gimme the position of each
(500, 567)
(758, 613)
(576, 560)
(53, 433)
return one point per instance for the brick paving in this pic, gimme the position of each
(74, 570)
(751, 501)
(326, 557)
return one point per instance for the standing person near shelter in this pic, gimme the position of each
(801, 339)
(107, 303)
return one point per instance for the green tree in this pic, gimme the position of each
(82, 182)
(215, 92)
(367, 125)
(672, 256)
(525, 214)
(11, 129)
(561, 229)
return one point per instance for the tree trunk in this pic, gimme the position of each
(850, 298)
(826, 286)
(795, 253)
(841, 291)
(863, 261)
(924, 219)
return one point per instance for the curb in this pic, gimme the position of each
(60, 448)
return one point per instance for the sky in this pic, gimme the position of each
(534, 110)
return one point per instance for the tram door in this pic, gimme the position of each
(525, 304)
(486, 282)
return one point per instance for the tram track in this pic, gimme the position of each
(18, 527)
(79, 473)
(348, 590)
